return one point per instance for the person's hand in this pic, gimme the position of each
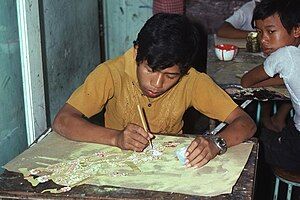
(200, 151)
(133, 137)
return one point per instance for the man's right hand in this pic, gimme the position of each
(133, 137)
(70, 124)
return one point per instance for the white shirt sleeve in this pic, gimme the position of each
(241, 19)
(280, 62)
(237, 19)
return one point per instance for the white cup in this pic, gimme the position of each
(226, 52)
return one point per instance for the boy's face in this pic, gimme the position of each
(155, 83)
(273, 35)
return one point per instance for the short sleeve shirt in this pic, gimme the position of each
(286, 62)
(114, 84)
(241, 18)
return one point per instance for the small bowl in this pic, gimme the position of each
(226, 52)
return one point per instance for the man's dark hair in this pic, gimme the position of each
(167, 40)
(288, 11)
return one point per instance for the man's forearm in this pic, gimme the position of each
(241, 129)
(77, 128)
(254, 77)
(275, 81)
(228, 31)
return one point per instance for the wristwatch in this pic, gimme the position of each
(219, 142)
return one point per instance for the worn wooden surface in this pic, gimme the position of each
(229, 72)
(13, 186)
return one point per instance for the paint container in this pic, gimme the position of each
(180, 153)
(226, 52)
(252, 44)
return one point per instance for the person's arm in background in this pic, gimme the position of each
(257, 77)
(69, 122)
(228, 31)
(238, 25)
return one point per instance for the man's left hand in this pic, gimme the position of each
(200, 152)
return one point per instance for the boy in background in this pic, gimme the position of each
(278, 25)
(238, 25)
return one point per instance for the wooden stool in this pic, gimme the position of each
(290, 178)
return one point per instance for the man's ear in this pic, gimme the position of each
(135, 48)
(296, 31)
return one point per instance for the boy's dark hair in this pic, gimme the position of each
(167, 40)
(288, 11)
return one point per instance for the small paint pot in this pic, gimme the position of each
(252, 44)
(226, 52)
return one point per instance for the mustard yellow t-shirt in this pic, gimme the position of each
(114, 84)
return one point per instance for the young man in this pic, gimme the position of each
(278, 25)
(238, 25)
(155, 74)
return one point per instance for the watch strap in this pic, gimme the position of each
(219, 142)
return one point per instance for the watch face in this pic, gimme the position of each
(221, 144)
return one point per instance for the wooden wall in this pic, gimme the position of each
(13, 139)
(122, 21)
(72, 47)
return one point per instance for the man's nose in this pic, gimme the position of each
(263, 38)
(158, 81)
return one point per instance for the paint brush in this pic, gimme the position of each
(143, 119)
